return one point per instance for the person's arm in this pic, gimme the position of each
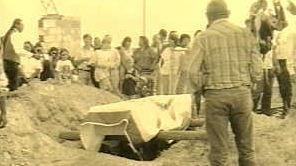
(256, 64)
(197, 54)
(115, 59)
(93, 60)
(136, 59)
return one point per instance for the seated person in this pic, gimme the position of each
(129, 85)
(30, 67)
(49, 63)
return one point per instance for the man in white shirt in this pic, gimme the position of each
(285, 56)
(12, 49)
(82, 61)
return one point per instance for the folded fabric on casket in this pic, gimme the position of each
(147, 116)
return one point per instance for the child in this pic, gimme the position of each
(64, 68)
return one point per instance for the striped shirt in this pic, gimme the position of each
(224, 56)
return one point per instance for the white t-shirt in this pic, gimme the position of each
(64, 69)
(29, 65)
(64, 66)
(104, 60)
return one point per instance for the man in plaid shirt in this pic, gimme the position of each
(228, 58)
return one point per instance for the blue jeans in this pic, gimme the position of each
(234, 106)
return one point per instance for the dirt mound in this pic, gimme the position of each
(36, 116)
(275, 145)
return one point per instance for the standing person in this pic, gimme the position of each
(184, 46)
(230, 61)
(157, 47)
(126, 60)
(13, 47)
(170, 65)
(145, 62)
(106, 62)
(82, 60)
(3, 89)
(285, 57)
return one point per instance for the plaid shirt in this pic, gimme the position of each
(224, 56)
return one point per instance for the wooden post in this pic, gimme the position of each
(144, 17)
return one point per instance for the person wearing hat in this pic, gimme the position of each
(228, 58)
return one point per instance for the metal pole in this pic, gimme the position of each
(144, 17)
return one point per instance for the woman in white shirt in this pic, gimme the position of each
(170, 66)
(107, 61)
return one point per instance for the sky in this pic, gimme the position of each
(120, 18)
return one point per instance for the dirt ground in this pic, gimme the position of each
(40, 111)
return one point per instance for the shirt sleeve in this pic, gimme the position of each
(115, 59)
(256, 66)
(18, 43)
(196, 54)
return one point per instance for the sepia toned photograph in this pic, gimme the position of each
(148, 83)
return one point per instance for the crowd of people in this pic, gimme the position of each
(158, 66)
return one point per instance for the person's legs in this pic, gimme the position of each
(242, 127)
(11, 70)
(197, 104)
(293, 82)
(114, 80)
(256, 95)
(285, 86)
(164, 84)
(267, 92)
(93, 77)
(217, 127)
(3, 120)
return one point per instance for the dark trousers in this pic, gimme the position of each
(267, 90)
(197, 104)
(264, 87)
(92, 77)
(234, 106)
(285, 85)
(12, 70)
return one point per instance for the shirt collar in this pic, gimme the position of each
(219, 21)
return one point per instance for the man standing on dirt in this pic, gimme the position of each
(229, 60)
(12, 48)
